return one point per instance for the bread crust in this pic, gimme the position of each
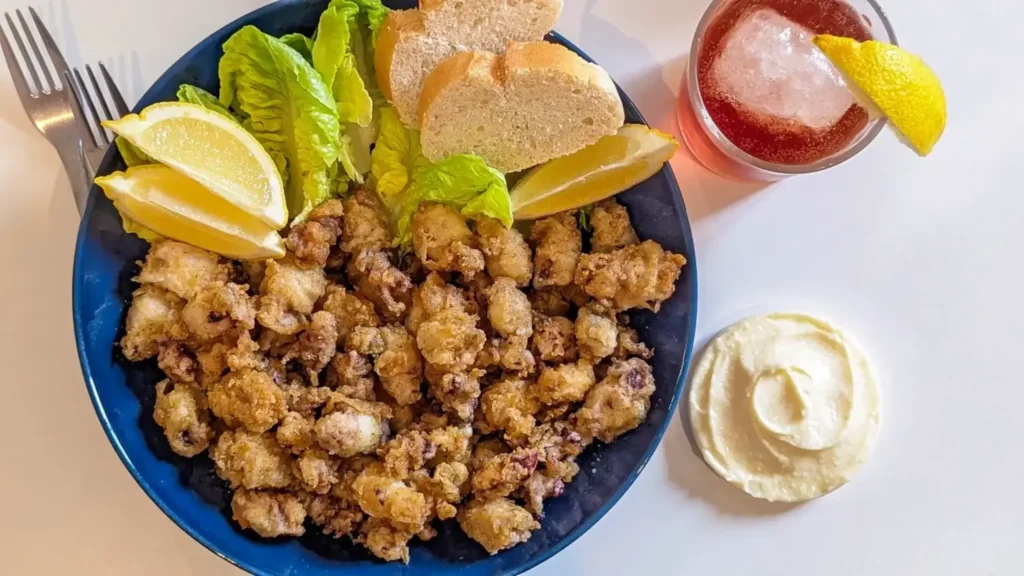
(424, 31)
(542, 59)
(456, 69)
(396, 24)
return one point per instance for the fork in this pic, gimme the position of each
(95, 147)
(49, 105)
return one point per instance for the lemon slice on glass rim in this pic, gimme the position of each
(213, 150)
(611, 165)
(155, 200)
(891, 82)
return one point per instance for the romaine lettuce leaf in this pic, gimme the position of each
(300, 43)
(464, 182)
(342, 184)
(363, 47)
(334, 60)
(347, 157)
(198, 96)
(343, 54)
(396, 157)
(285, 103)
(374, 12)
(493, 202)
(405, 178)
(363, 137)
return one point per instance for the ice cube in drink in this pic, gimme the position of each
(774, 76)
(757, 81)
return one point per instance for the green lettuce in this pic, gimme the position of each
(583, 217)
(198, 96)
(362, 137)
(374, 12)
(300, 43)
(396, 157)
(341, 185)
(334, 60)
(289, 108)
(464, 182)
(405, 179)
(343, 55)
(371, 17)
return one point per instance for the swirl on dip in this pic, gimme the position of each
(784, 406)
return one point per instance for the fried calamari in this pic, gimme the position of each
(373, 392)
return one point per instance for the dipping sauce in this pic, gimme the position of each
(784, 406)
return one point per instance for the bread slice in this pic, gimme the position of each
(413, 42)
(537, 102)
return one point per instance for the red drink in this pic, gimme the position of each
(760, 101)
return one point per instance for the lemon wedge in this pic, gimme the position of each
(609, 166)
(896, 83)
(212, 150)
(168, 203)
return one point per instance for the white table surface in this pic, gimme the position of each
(921, 259)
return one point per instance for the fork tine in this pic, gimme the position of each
(84, 96)
(20, 82)
(99, 93)
(102, 105)
(40, 61)
(60, 65)
(24, 53)
(79, 114)
(115, 94)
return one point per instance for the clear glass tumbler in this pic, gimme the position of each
(709, 143)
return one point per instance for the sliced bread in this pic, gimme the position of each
(413, 42)
(537, 102)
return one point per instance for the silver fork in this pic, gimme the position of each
(99, 140)
(49, 106)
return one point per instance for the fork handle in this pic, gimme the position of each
(73, 159)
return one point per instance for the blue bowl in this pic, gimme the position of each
(189, 492)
